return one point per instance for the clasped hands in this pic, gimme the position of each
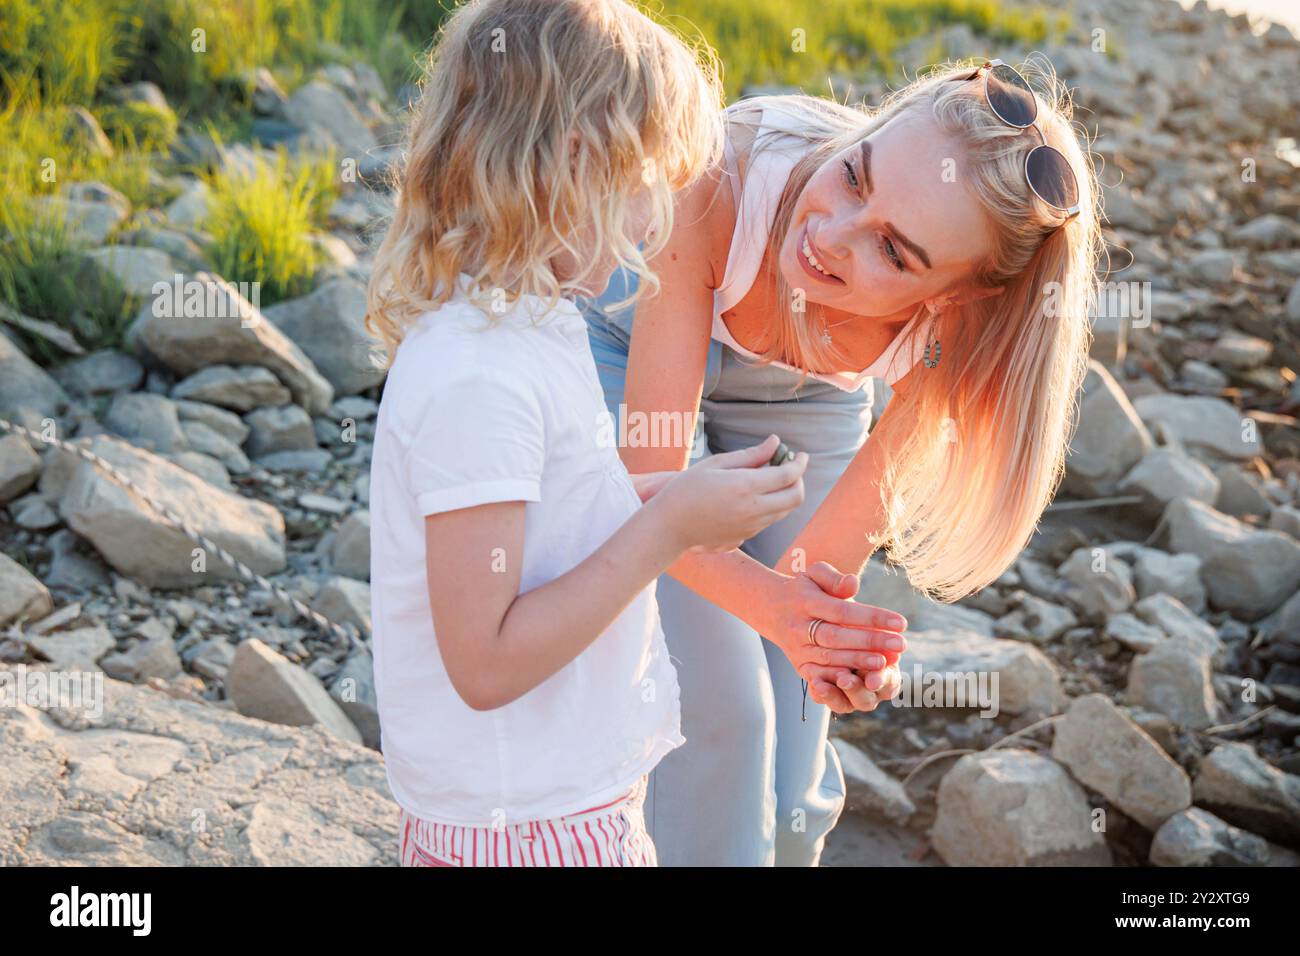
(854, 663)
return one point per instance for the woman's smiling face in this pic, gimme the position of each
(886, 223)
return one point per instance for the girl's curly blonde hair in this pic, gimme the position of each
(538, 119)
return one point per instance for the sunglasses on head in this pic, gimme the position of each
(1048, 171)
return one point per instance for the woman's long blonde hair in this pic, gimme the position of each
(981, 436)
(538, 119)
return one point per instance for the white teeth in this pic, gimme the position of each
(812, 260)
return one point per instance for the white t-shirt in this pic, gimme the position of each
(476, 412)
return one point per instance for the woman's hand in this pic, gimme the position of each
(648, 485)
(855, 637)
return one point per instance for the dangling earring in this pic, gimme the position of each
(929, 362)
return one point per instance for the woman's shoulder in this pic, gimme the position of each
(776, 114)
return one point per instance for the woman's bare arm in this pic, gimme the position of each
(841, 529)
(666, 369)
(670, 347)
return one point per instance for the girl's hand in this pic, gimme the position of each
(722, 501)
(855, 637)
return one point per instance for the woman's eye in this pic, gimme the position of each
(892, 254)
(850, 175)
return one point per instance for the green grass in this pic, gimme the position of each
(260, 223)
(200, 51)
(40, 276)
(755, 38)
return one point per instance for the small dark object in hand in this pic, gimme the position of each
(783, 454)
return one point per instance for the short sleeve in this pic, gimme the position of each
(483, 440)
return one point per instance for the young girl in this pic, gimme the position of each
(524, 688)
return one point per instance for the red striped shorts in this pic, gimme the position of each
(612, 834)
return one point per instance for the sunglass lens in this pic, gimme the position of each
(1051, 177)
(1010, 96)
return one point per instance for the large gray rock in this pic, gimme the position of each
(285, 428)
(1036, 619)
(24, 384)
(88, 223)
(152, 655)
(1285, 518)
(1293, 304)
(226, 424)
(19, 466)
(345, 601)
(329, 325)
(1108, 752)
(1110, 438)
(350, 552)
(353, 688)
(1247, 571)
(134, 268)
(1284, 623)
(1178, 575)
(1166, 474)
(190, 208)
(1135, 634)
(1241, 494)
(1027, 681)
(1173, 679)
(140, 544)
(154, 780)
(937, 616)
(1010, 807)
(1209, 423)
(1235, 783)
(22, 596)
(76, 650)
(100, 373)
(1240, 352)
(317, 104)
(1197, 838)
(263, 684)
(1174, 618)
(74, 564)
(210, 442)
(1100, 585)
(242, 388)
(147, 420)
(227, 329)
(870, 788)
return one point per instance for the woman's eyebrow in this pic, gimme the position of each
(908, 244)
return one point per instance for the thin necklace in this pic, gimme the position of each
(826, 329)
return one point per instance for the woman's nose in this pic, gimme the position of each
(832, 238)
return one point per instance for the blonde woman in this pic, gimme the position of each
(946, 242)
(523, 685)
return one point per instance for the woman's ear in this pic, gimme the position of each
(975, 293)
(963, 296)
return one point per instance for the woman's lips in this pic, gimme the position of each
(807, 266)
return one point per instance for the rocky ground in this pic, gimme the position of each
(1146, 645)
